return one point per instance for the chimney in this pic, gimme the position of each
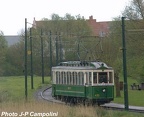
(91, 17)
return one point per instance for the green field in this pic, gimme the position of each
(12, 99)
(135, 96)
(13, 88)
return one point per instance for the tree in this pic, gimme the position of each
(65, 29)
(134, 25)
(3, 49)
(14, 60)
(135, 10)
(69, 28)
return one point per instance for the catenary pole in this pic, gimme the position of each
(31, 57)
(56, 42)
(124, 65)
(50, 45)
(42, 61)
(26, 59)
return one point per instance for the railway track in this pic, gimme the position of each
(119, 108)
(46, 95)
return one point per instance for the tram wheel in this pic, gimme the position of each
(71, 101)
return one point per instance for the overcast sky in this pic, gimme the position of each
(14, 12)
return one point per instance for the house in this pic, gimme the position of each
(100, 29)
(12, 39)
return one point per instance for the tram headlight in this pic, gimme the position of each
(104, 90)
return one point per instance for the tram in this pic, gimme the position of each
(84, 82)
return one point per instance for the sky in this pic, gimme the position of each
(14, 12)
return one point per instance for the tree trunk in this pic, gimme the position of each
(117, 85)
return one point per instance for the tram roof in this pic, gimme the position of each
(82, 65)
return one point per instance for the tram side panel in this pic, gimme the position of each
(68, 83)
(90, 92)
(69, 90)
(103, 93)
(100, 93)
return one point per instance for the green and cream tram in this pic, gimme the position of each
(83, 82)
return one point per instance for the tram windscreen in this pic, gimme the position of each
(103, 77)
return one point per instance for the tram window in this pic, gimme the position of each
(68, 77)
(64, 75)
(90, 78)
(56, 77)
(70, 81)
(110, 77)
(59, 78)
(103, 77)
(81, 78)
(94, 77)
(87, 78)
(74, 78)
(78, 77)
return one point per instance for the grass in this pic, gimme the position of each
(135, 96)
(62, 110)
(13, 88)
(12, 99)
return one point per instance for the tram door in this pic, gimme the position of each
(89, 84)
(103, 80)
